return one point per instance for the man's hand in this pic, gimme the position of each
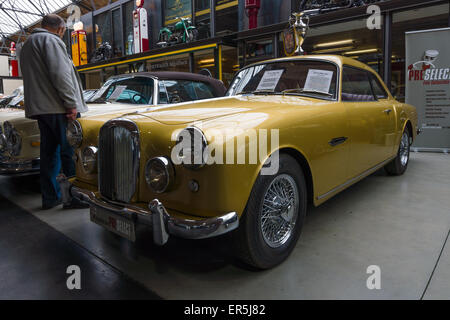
(71, 114)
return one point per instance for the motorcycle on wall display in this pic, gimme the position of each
(182, 32)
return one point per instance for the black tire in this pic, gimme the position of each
(249, 243)
(164, 37)
(192, 35)
(399, 165)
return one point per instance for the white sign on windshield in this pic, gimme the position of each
(116, 94)
(318, 80)
(270, 80)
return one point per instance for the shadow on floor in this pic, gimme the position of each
(35, 258)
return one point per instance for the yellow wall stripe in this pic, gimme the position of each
(220, 7)
(206, 11)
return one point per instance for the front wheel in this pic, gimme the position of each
(273, 219)
(398, 166)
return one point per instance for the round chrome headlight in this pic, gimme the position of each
(159, 174)
(74, 134)
(192, 143)
(13, 144)
(89, 159)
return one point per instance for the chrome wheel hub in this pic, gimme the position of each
(279, 211)
(404, 150)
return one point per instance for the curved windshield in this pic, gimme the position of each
(88, 95)
(317, 79)
(133, 90)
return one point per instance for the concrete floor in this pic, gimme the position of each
(400, 224)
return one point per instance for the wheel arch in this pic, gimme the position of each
(304, 164)
(408, 126)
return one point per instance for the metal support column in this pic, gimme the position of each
(212, 22)
(387, 49)
(191, 62)
(193, 12)
(275, 46)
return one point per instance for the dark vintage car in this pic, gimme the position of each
(20, 138)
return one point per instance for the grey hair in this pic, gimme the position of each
(53, 21)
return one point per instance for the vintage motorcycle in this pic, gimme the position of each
(103, 52)
(182, 32)
(313, 7)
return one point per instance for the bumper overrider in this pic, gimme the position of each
(157, 217)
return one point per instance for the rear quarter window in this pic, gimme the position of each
(378, 89)
(356, 85)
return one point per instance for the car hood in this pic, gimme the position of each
(185, 113)
(17, 116)
(7, 114)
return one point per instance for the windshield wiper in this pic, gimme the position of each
(302, 90)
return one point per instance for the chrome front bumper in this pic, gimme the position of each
(157, 217)
(12, 167)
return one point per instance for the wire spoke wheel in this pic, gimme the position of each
(404, 149)
(279, 211)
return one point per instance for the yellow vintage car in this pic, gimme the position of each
(290, 132)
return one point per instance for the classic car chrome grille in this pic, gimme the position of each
(118, 160)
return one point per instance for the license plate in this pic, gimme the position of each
(111, 221)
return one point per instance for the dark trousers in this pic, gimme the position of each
(56, 154)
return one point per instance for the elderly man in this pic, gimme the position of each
(53, 96)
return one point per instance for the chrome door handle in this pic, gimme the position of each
(387, 111)
(337, 141)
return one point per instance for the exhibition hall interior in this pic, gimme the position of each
(224, 150)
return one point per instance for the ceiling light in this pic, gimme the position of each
(334, 43)
(206, 61)
(333, 50)
(361, 51)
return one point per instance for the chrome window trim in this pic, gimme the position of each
(155, 91)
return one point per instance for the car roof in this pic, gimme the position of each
(167, 75)
(339, 60)
(218, 85)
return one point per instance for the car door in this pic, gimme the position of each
(388, 125)
(366, 121)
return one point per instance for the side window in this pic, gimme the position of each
(356, 85)
(378, 89)
(176, 91)
(185, 90)
(203, 90)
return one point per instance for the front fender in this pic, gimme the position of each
(31, 138)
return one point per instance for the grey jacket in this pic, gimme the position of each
(51, 83)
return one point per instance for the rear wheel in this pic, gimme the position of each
(398, 166)
(273, 219)
(192, 35)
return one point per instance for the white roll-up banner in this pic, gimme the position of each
(428, 86)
